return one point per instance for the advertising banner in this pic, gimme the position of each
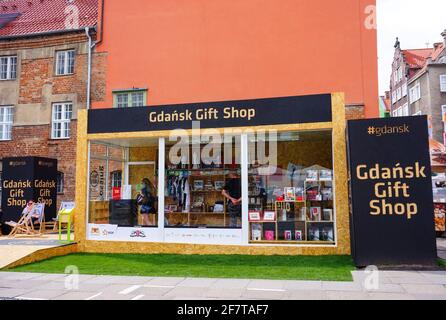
(391, 192)
(25, 179)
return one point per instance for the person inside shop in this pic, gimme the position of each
(146, 199)
(232, 191)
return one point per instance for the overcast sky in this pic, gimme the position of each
(415, 22)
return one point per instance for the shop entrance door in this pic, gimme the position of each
(137, 171)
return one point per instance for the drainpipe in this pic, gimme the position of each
(91, 45)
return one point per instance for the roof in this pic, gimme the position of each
(416, 58)
(28, 17)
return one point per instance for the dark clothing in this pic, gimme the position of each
(146, 201)
(234, 188)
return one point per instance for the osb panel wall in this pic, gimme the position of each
(44, 254)
(143, 154)
(305, 153)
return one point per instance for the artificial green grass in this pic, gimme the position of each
(330, 268)
(442, 263)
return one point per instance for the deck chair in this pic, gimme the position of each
(39, 218)
(24, 225)
(68, 206)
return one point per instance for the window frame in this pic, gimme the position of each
(443, 83)
(4, 123)
(63, 120)
(58, 184)
(11, 73)
(67, 69)
(415, 89)
(129, 94)
(113, 179)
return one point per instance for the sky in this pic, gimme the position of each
(415, 22)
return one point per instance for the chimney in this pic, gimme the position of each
(443, 34)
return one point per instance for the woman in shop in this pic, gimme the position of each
(146, 200)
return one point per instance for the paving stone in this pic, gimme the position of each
(411, 280)
(231, 283)
(43, 294)
(51, 277)
(75, 295)
(224, 293)
(112, 296)
(25, 284)
(313, 295)
(117, 288)
(197, 282)
(346, 295)
(389, 296)
(425, 289)
(186, 292)
(387, 288)
(266, 284)
(19, 275)
(263, 295)
(153, 291)
(165, 281)
(12, 292)
(303, 285)
(341, 286)
(429, 297)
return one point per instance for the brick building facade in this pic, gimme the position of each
(43, 82)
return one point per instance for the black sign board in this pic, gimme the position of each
(241, 113)
(25, 179)
(391, 192)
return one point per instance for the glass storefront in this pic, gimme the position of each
(291, 193)
(123, 183)
(153, 188)
(200, 180)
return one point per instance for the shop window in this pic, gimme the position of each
(60, 182)
(203, 188)
(130, 98)
(6, 121)
(8, 68)
(123, 183)
(291, 195)
(61, 120)
(64, 62)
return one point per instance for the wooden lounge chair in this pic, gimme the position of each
(24, 225)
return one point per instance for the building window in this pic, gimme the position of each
(398, 94)
(404, 89)
(394, 97)
(60, 182)
(116, 179)
(64, 62)
(8, 68)
(405, 110)
(62, 113)
(132, 98)
(443, 83)
(6, 120)
(400, 74)
(415, 93)
(417, 113)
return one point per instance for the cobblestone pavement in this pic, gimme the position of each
(389, 285)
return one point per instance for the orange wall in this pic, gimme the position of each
(212, 50)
